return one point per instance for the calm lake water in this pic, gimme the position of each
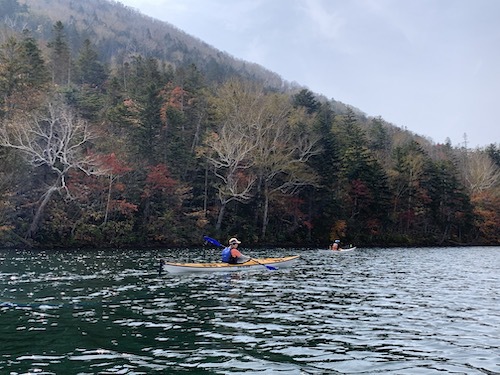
(390, 311)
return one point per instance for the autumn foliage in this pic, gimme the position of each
(134, 151)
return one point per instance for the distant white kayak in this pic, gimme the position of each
(344, 250)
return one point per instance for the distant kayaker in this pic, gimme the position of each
(232, 255)
(335, 246)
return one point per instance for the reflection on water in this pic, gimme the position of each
(400, 311)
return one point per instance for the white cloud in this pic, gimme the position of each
(325, 21)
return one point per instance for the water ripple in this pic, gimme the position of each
(399, 311)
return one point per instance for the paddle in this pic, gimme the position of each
(160, 267)
(217, 243)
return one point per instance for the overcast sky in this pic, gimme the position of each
(431, 66)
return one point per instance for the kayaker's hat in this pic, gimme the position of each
(337, 241)
(233, 241)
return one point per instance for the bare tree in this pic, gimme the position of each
(284, 144)
(259, 137)
(228, 148)
(479, 171)
(54, 138)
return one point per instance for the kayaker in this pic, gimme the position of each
(335, 246)
(232, 255)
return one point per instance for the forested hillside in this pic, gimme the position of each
(120, 130)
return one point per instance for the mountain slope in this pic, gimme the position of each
(119, 31)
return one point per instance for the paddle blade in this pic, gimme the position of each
(212, 241)
(271, 268)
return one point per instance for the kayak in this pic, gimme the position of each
(260, 263)
(344, 250)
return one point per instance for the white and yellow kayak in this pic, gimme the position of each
(258, 263)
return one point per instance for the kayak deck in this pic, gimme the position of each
(282, 262)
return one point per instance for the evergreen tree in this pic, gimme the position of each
(149, 135)
(306, 99)
(90, 70)
(36, 73)
(363, 185)
(22, 74)
(379, 140)
(494, 152)
(325, 203)
(142, 76)
(60, 56)
(450, 206)
(11, 68)
(410, 204)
